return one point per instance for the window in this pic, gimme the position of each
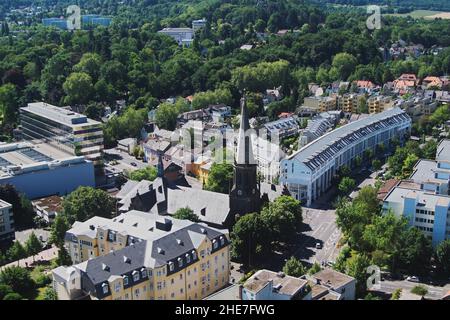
(188, 258)
(144, 273)
(136, 292)
(125, 280)
(172, 295)
(181, 290)
(215, 244)
(181, 276)
(117, 287)
(172, 281)
(194, 255)
(171, 266)
(105, 288)
(159, 285)
(202, 254)
(180, 262)
(136, 276)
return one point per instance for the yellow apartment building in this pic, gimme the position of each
(143, 256)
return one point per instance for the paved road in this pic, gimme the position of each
(434, 292)
(320, 228)
(124, 160)
(45, 255)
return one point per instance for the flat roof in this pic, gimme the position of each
(229, 293)
(287, 285)
(333, 278)
(22, 157)
(58, 114)
(424, 171)
(443, 151)
(425, 199)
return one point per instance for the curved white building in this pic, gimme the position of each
(308, 172)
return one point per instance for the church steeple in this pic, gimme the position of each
(244, 152)
(245, 195)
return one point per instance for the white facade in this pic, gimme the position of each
(183, 36)
(6, 222)
(308, 173)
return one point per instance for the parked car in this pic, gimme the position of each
(412, 279)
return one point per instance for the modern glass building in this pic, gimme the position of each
(63, 128)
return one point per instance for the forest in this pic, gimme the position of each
(91, 69)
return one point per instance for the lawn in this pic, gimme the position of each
(426, 14)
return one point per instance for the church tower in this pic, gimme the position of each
(245, 195)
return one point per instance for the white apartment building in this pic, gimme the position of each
(6, 222)
(308, 173)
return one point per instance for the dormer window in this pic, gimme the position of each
(144, 273)
(135, 275)
(180, 262)
(215, 244)
(105, 288)
(222, 240)
(188, 258)
(125, 280)
(194, 255)
(171, 266)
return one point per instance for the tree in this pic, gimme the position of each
(63, 258)
(357, 268)
(218, 96)
(87, 202)
(186, 214)
(314, 268)
(33, 245)
(50, 294)
(396, 294)
(376, 164)
(344, 64)
(346, 185)
(167, 113)
(8, 104)
(362, 106)
(13, 296)
(416, 252)
(147, 173)
(409, 164)
(58, 230)
(90, 64)
(283, 217)
(249, 240)
(442, 258)
(220, 178)
(16, 252)
(419, 290)
(294, 267)
(78, 88)
(4, 290)
(18, 279)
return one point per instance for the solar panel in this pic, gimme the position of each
(34, 155)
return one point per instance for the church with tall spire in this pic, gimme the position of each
(218, 210)
(245, 195)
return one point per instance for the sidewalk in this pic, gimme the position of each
(45, 255)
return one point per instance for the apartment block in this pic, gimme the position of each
(143, 256)
(6, 222)
(379, 104)
(321, 104)
(424, 199)
(349, 102)
(308, 173)
(65, 129)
